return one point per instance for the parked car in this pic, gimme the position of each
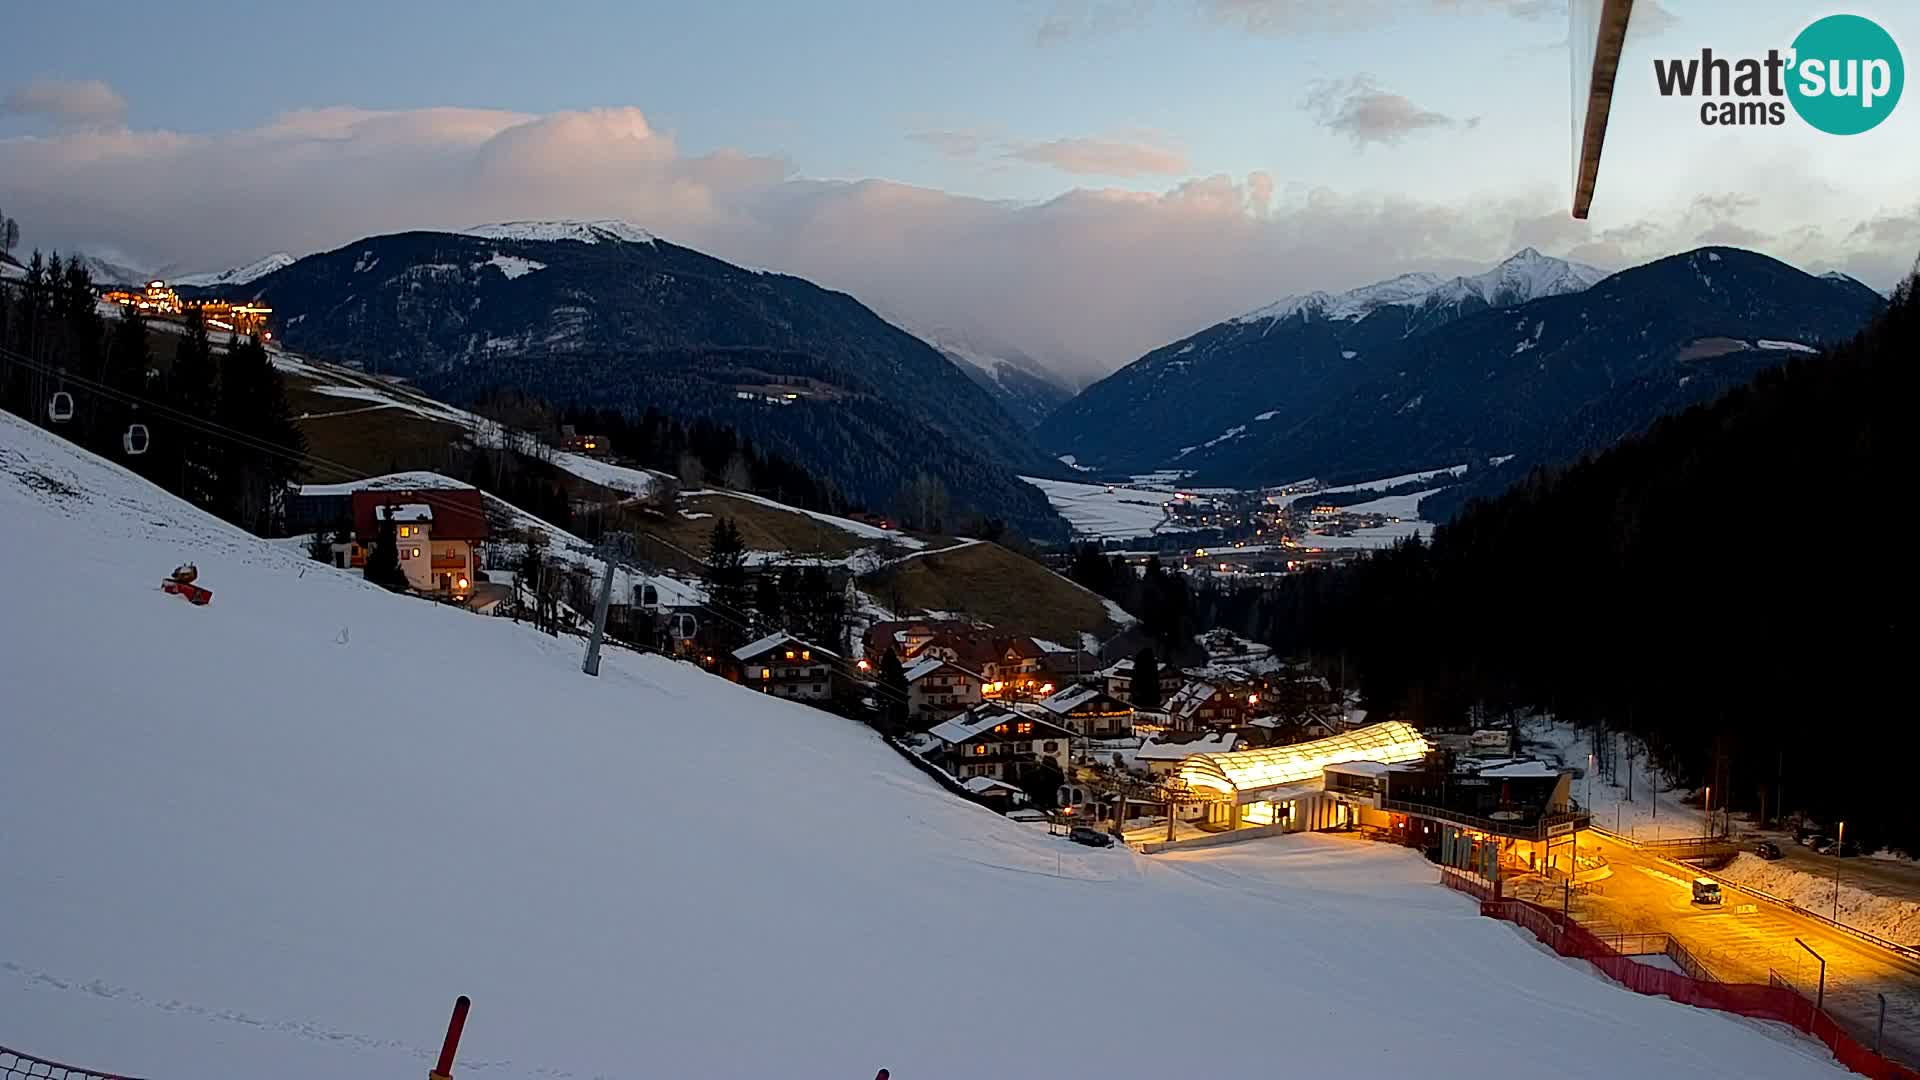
(1767, 849)
(1090, 836)
(1817, 841)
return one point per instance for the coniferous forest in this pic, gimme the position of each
(210, 426)
(1723, 586)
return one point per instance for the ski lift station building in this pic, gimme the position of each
(1380, 777)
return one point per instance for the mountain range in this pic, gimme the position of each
(237, 275)
(1022, 385)
(1536, 359)
(603, 313)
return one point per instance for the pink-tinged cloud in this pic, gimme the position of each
(1103, 157)
(1084, 282)
(87, 103)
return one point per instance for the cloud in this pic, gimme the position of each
(1103, 157)
(1084, 281)
(1730, 234)
(1068, 20)
(1519, 9)
(1359, 109)
(953, 144)
(1285, 18)
(87, 103)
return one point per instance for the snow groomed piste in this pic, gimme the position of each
(290, 871)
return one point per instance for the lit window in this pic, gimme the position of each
(980, 749)
(766, 673)
(1000, 729)
(416, 553)
(1025, 729)
(805, 654)
(789, 654)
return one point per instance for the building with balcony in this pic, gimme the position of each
(438, 532)
(938, 688)
(785, 666)
(994, 741)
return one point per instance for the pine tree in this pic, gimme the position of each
(383, 555)
(824, 613)
(191, 390)
(768, 605)
(892, 694)
(726, 575)
(129, 358)
(1146, 680)
(252, 403)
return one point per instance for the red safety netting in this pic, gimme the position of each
(1771, 1002)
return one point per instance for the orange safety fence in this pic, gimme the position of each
(1775, 1001)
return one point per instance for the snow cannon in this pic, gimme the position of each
(181, 583)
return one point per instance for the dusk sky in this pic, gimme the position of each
(1082, 180)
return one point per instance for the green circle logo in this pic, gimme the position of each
(1846, 75)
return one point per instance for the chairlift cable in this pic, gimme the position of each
(739, 618)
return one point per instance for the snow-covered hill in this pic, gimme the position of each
(105, 271)
(1023, 386)
(276, 836)
(237, 275)
(1527, 275)
(586, 232)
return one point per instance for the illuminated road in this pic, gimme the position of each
(1742, 939)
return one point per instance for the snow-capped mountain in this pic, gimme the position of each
(1527, 275)
(603, 314)
(1421, 370)
(601, 230)
(110, 271)
(1023, 386)
(236, 275)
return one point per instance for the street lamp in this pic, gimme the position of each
(1707, 807)
(1839, 846)
(1821, 1003)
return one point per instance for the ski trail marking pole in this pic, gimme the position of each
(444, 1070)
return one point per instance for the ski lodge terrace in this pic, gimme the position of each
(1384, 779)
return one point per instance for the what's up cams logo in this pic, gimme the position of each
(1843, 75)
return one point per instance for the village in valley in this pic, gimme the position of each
(1014, 686)
(995, 667)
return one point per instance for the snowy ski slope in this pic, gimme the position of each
(276, 836)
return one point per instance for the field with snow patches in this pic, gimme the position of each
(1107, 513)
(341, 383)
(1384, 483)
(275, 836)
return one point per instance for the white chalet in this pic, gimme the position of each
(937, 687)
(994, 741)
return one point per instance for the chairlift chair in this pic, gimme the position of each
(60, 409)
(135, 441)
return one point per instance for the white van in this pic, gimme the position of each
(1706, 891)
